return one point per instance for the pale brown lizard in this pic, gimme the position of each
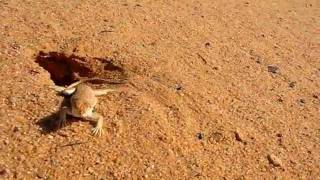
(81, 103)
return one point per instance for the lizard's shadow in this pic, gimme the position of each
(50, 123)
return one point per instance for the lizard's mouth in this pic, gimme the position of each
(84, 108)
(87, 112)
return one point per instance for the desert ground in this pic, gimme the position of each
(211, 89)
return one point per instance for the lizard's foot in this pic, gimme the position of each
(58, 88)
(97, 131)
(62, 123)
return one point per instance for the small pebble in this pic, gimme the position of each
(41, 175)
(292, 84)
(90, 170)
(16, 129)
(302, 101)
(274, 160)
(178, 87)
(273, 69)
(6, 142)
(200, 135)
(238, 136)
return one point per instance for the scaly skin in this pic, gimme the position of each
(81, 104)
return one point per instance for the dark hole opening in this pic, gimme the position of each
(65, 70)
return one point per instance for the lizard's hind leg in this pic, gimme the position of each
(99, 92)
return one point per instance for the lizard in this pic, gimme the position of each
(81, 103)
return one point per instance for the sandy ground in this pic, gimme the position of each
(215, 89)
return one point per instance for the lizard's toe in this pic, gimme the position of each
(62, 124)
(97, 131)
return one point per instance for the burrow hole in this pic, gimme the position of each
(65, 70)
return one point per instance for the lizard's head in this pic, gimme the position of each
(82, 107)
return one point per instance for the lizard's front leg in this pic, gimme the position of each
(63, 116)
(97, 130)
